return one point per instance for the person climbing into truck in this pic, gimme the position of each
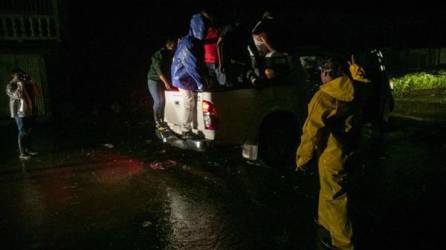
(188, 70)
(158, 78)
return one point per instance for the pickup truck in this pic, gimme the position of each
(266, 121)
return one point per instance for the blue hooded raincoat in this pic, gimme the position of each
(185, 65)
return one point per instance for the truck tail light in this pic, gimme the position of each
(209, 115)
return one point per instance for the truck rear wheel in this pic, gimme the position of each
(278, 141)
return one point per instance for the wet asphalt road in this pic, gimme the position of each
(122, 189)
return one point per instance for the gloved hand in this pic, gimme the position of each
(357, 72)
(201, 88)
(302, 163)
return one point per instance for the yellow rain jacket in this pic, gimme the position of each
(329, 130)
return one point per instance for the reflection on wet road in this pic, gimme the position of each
(136, 194)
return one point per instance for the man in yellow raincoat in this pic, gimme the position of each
(330, 131)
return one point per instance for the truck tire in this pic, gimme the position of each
(278, 141)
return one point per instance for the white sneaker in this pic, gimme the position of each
(24, 157)
(31, 153)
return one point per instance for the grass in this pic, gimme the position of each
(405, 84)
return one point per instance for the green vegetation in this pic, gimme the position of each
(419, 81)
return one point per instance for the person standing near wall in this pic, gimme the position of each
(22, 91)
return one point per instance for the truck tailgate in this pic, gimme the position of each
(173, 110)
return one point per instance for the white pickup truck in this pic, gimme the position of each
(265, 121)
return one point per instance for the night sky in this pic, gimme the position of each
(107, 46)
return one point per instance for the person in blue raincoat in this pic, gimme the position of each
(188, 69)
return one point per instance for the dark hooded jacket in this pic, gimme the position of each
(188, 57)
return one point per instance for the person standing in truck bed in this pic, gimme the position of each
(188, 69)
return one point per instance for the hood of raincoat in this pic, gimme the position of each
(340, 88)
(197, 27)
